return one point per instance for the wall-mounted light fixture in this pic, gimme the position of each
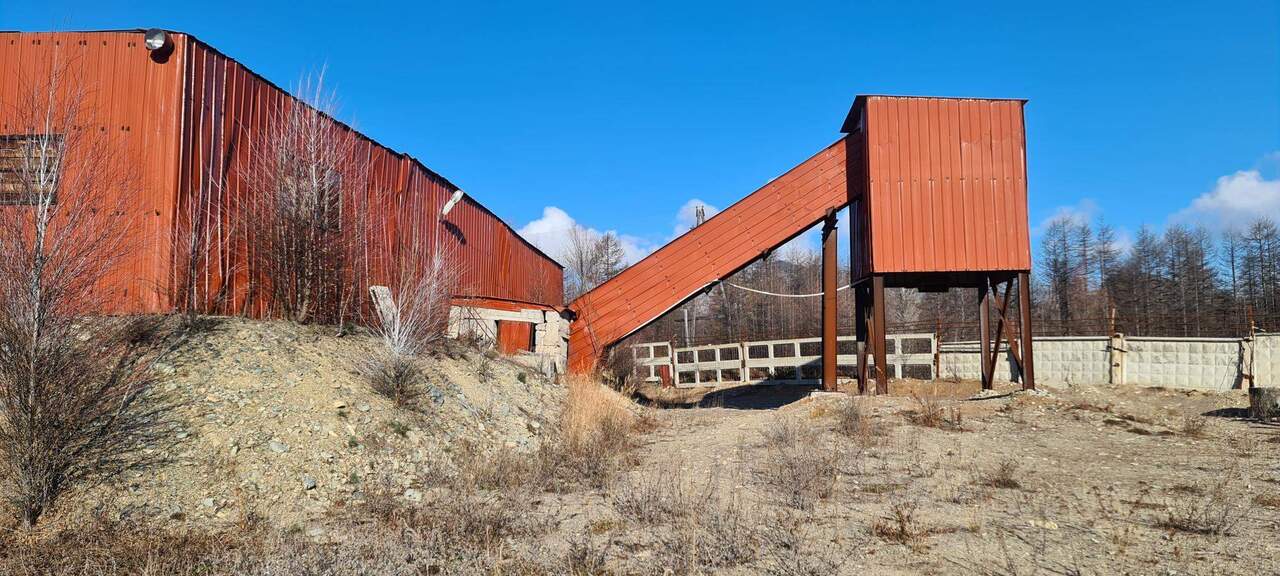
(449, 205)
(159, 43)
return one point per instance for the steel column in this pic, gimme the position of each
(984, 331)
(829, 272)
(878, 334)
(861, 296)
(1024, 312)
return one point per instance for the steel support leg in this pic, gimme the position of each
(861, 297)
(1024, 312)
(984, 331)
(878, 334)
(829, 270)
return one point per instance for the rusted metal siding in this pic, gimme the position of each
(135, 104)
(514, 337)
(946, 185)
(187, 124)
(228, 106)
(762, 221)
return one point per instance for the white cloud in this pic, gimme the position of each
(687, 216)
(550, 233)
(1234, 201)
(1082, 212)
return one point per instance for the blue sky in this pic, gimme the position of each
(619, 114)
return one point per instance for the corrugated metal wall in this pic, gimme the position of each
(187, 125)
(229, 106)
(948, 185)
(135, 106)
(767, 218)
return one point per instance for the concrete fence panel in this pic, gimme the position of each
(1073, 360)
(1266, 360)
(1201, 363)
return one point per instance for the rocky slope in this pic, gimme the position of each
(277, 424)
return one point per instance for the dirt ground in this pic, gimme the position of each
(934, 478)
(1080, 480)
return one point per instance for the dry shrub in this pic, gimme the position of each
(399, 378)
(306, 210)
(658, 497)
(76, 399)
(1194, 426)
(593, 436)
(797, 465)
(930, 413)
(794, 548)
(1268, 500)
(1215, 512)
(1246, 445)
(410, 321)
(584, 558)
(900, 525)
(717, 532)
(853, 422)
(1003, 475)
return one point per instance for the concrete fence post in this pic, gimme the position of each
(1116, 351)
(1245, 379)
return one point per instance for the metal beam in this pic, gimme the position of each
(878, 334)
(984, 331)
(862, 295)
(1024, 310)
(829, 310)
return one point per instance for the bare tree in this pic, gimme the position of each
(410, 319)
(76, 404)
(306, 211)
(590, 260)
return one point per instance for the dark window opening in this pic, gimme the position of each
(21, 157)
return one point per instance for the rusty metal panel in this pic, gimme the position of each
(764, 220)
(403, 198)
(134, 102)
(187, 122)
(946, 186)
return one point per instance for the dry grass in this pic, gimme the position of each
(1194, 426)
(1216, 512)
(720, 531)
(396, 377)
(853, 422)
(464, 533)
(900, 525)
(1271, 500)
(930, 413)
(1003, 475)
(797, 465)
(589, 446)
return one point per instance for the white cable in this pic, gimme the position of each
(782, 295)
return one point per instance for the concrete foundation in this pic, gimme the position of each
(550, 333)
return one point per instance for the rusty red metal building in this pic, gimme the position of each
(186, 119)
(937, 192)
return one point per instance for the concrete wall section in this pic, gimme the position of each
(1070, 360)
(1202, 363)
(1083, 360)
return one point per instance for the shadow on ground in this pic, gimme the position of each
(745, 397)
